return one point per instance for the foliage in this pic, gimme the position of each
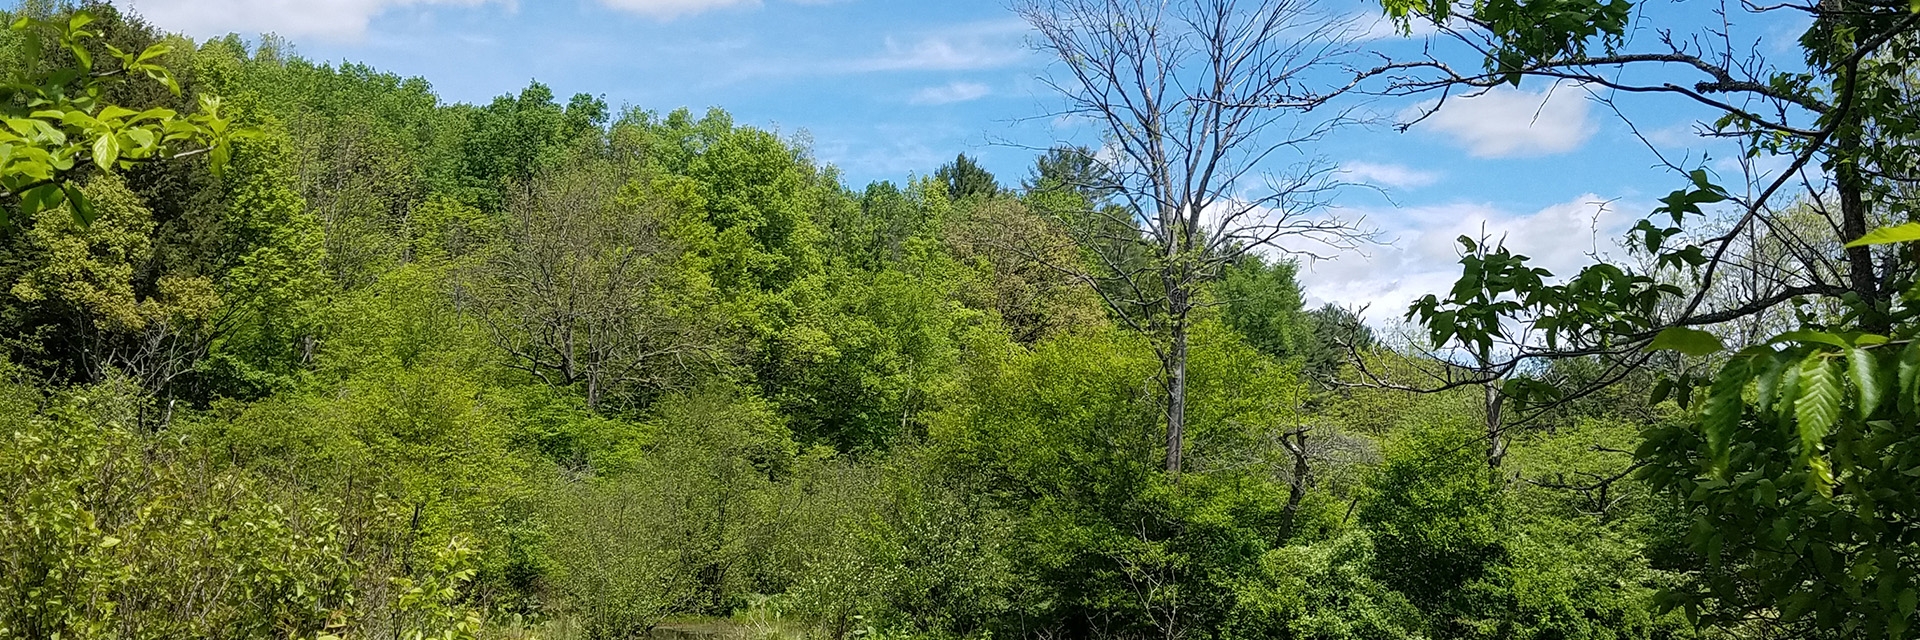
(1788, 454)
(114, 533)
(57, 122)
(965, 179)
(403, 368)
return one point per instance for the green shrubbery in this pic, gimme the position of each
(412, 370)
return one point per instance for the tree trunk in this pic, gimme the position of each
(1853, 224)
(1296, 444)
(593, 392)
(1852, 186)
(1496, 440)
(1176, 366)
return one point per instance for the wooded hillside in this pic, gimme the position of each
(330, 357)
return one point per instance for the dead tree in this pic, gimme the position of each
(1209, 109)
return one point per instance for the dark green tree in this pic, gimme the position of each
(1263, 302)
(965, 178)
(1072, 168)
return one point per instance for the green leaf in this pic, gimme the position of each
(1693, 342)
(154, 51)
(80, 53)
(1909, 374)
(41, 198)
(105, 151)
(1662, 390)
(82, 208)
(1770, 382)
(1725, 405)
(1908, 232)
(1813, 337)
(1817, 409)
(1865, 371)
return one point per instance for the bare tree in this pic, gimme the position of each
(583, 294)
(1198, 100)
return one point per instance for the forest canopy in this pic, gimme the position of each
(301, 350)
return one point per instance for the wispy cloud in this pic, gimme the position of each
(950, 93)
(985, 45)
(325, 19)
(972, 46)
(669, 9)
(1508, 123)
(1388, 175)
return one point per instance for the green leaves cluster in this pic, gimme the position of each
(1528, 32)
(1801, 462)
(1497, 286)
(56, 121)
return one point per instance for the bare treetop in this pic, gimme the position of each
(1197, 100)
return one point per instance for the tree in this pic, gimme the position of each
(586, 292)
(58, 124)
(1012, 246)
(86, 109)
(1073, 169)
(964, 178)
(1197, 98)
(1791, 450)
(1263, 302)
(1336, 330)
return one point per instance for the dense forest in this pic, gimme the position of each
(299, 350)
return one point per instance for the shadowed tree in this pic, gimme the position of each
(1072, 169)
(965, 178)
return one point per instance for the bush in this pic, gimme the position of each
(111, 533)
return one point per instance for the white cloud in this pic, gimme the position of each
(1424, 257)
(669, 9)
(960, 47)
(329, 19)
(1507, 122)
(951, 93)
(967, 47)
(1388, 175)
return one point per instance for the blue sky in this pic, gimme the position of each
(887, 89)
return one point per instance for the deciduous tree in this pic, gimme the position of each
(1197, 101)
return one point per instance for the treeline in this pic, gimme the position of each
(409, 369)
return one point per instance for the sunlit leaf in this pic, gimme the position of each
(1817, 409)
(1908, 232)
(1865, 371)
(1693, 342)
(1909, 374)
(106, 150)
